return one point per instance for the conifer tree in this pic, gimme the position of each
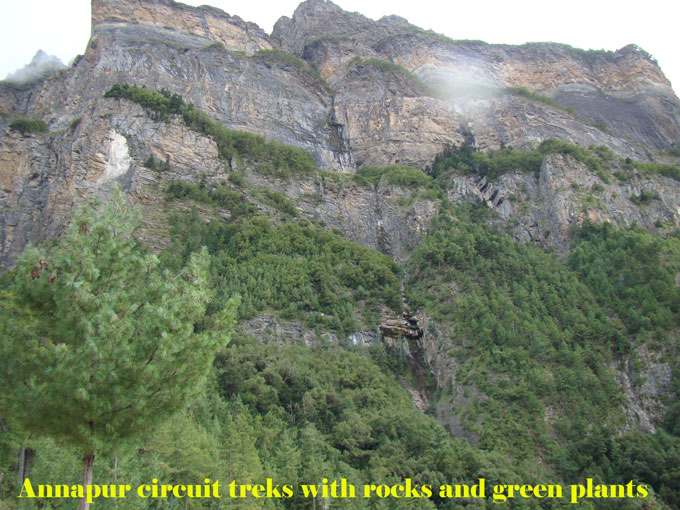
(98, 344)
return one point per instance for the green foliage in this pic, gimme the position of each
(645, 197)
(272, 158)
(526, 334)
(75, 123)
(299, 270)
(671, 171)
(281, 58)
(103, 344)
(531, 95)
(28, 126)
(219, 196)
(633, 273)
(345, 418)
(465, 160)
(218, 45)
(653, 458)
(82, 321)
(397, 175)
(395, 69)
(599, 125)
(279, 201)
(552, 146)
(162, 166)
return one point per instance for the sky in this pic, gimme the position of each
(62, 27)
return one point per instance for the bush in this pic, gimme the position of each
(222, 197)
(395, 69)
(534, 96)
(397, 175)
(28, 126)
(465, 160)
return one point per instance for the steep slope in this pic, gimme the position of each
(330, 169)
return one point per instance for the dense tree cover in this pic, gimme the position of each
(527, 335)
(270, 157)
(633, 272)
(299, 270)
(534, 336)
(102, 343)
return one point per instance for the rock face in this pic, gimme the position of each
(360, 92)
(205, 22)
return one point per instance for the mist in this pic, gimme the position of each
(40, 67)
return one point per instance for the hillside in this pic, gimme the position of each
(457, 260)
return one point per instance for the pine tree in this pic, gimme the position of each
(98, 343)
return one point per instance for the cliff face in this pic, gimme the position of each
(360, 92)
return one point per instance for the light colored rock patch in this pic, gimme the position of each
(118, 159)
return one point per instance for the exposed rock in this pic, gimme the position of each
(646, 380)
(205, 22)
(544, 208)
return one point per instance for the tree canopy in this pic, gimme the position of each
(99, 344)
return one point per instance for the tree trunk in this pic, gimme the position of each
(88, 467)
(29, 455)
(20, 465)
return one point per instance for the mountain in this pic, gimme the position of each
(498, 223)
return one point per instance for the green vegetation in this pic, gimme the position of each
(528, 336)
(671, 171)
(71, 325)
(28, 126)
(533, 96)
(599, 125)
(271, 158)
(282, 58)
(161, 166)
(397, 175)
(530, 333)
(645, 197)
(298, 270)
(222, 197)
(218, 45)
(75, 123)
(278, 201)
(633, 273)
(465, 160)
(394, 69)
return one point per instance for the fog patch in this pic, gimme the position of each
(42, 66)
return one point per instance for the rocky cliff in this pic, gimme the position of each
(352, 92)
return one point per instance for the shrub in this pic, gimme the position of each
(397, 175)
(28, 126)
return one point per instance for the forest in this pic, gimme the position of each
(536, 338)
